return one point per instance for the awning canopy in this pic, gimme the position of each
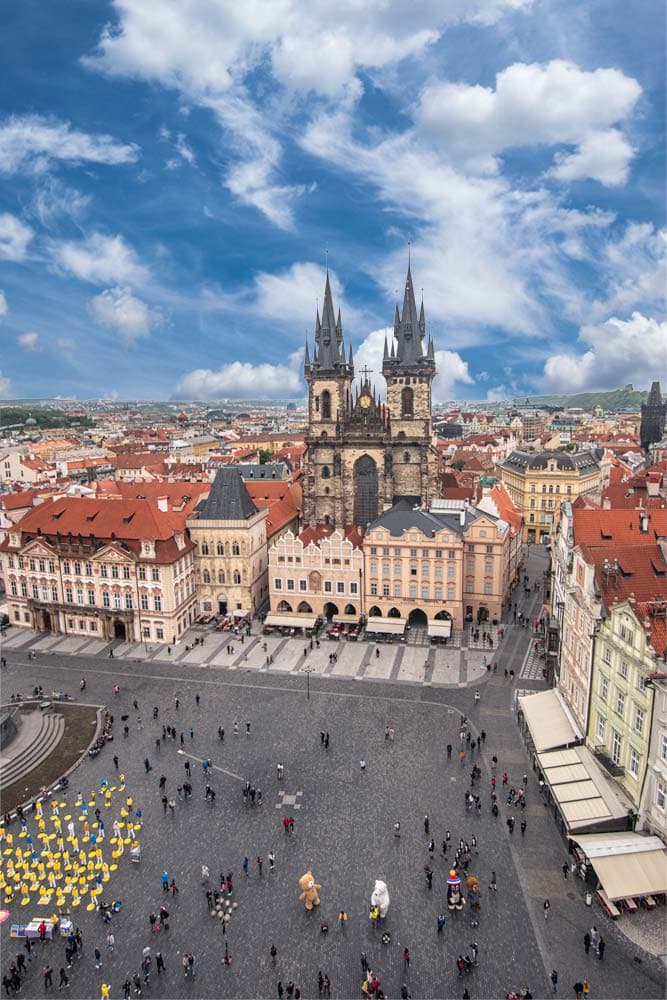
(627, 864)
(346, 619)
(440, 629)
(291, 620)
(549, 722)
(239, 613)
(584, 795)
(388, 626)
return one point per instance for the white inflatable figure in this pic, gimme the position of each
(380, 897)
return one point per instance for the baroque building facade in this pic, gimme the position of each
(364, 455)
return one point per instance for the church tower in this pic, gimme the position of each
(652, 425)
(409, 373)
(329, 377)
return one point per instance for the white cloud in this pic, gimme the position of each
(31, 141)
(14, 237)
(4, 308)
(498, 394)
(54, 201)
(99, 259)
(240, 380)
(602, 156)
(536, 104)
(118, 309)
(618, 351)
(206, 50)
(184, 150)
(450, 366)
(634, 269)
(5, 387)
(29, 342)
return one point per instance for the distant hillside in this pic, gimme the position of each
(627, 398)
(13, 415)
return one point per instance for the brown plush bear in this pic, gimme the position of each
(309, 889)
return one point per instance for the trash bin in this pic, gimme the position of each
(589, 899)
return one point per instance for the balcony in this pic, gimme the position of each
(615, 770)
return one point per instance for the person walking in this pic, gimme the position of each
(595, 937)
(98, 958)
(601, 947)
(47, 972)
(426, 826)
(587, 942)
(406, 959)
(554, 980)
(273, 951)
(159, 963)
(492, 884)
(64, 980)
(272, 860)
(320, 982)
(245, 866)
(566, 870)
(111, 941)
(397, 829)
(523, 827)
(546, 907)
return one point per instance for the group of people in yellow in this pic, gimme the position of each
(60, 858)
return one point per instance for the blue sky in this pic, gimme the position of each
(171, 175)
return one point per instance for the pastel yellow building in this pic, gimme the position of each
(539, 482)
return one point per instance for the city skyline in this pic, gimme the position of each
(174, 183)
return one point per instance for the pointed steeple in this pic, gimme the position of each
(350, 363)
(385, 356)
(329, 341)
(409, 327)
(306, 360)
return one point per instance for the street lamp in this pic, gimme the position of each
(308, 671)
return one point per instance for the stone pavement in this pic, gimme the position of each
(344, 828)
(446, 666)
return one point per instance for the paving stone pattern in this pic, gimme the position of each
(343, 832)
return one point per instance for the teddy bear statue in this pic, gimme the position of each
(380, 897)
(309, 889)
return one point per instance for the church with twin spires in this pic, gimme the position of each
(364, 455)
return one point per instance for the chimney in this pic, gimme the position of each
(462, 518)
(643, 523)
(163, 504)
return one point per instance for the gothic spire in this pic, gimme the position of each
(411, 326)
(329, 343)
(306, 360)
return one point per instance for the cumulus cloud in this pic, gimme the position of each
(99, 259)
(14, 237)
(118, 309)
(31, 141)
(633, 266)
(4, 308)
(29, 342)
(5, 387)
(240, 380)
(618, 351)
(550, 104)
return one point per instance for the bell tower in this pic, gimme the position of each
(409, 373)
(329, 377)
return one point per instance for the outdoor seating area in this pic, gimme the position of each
(291, 625)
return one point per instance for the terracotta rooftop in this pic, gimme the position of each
(616, 527)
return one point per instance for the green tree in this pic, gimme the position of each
(264, 456)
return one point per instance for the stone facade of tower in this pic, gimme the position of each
(362, 455)
(654, 411)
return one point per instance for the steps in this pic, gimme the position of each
(43, 742)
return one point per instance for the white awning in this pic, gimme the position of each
(238, 613)
(387, 626)
(440, 629)
(549, 723)
(346, 619)
(291, 620)
(627, 864)
(585, 796)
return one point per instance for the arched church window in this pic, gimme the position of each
(220, 549)
(326, 405)
(206, 576)
(406, 456)
(221, 576)
(326, 472)
(237, 576)
(407, 402)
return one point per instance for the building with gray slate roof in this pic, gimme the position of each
(229, 533)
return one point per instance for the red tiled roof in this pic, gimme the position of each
(130, 521)
(278, 498)
(506, 507)
(179, 494)
(616, 527)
